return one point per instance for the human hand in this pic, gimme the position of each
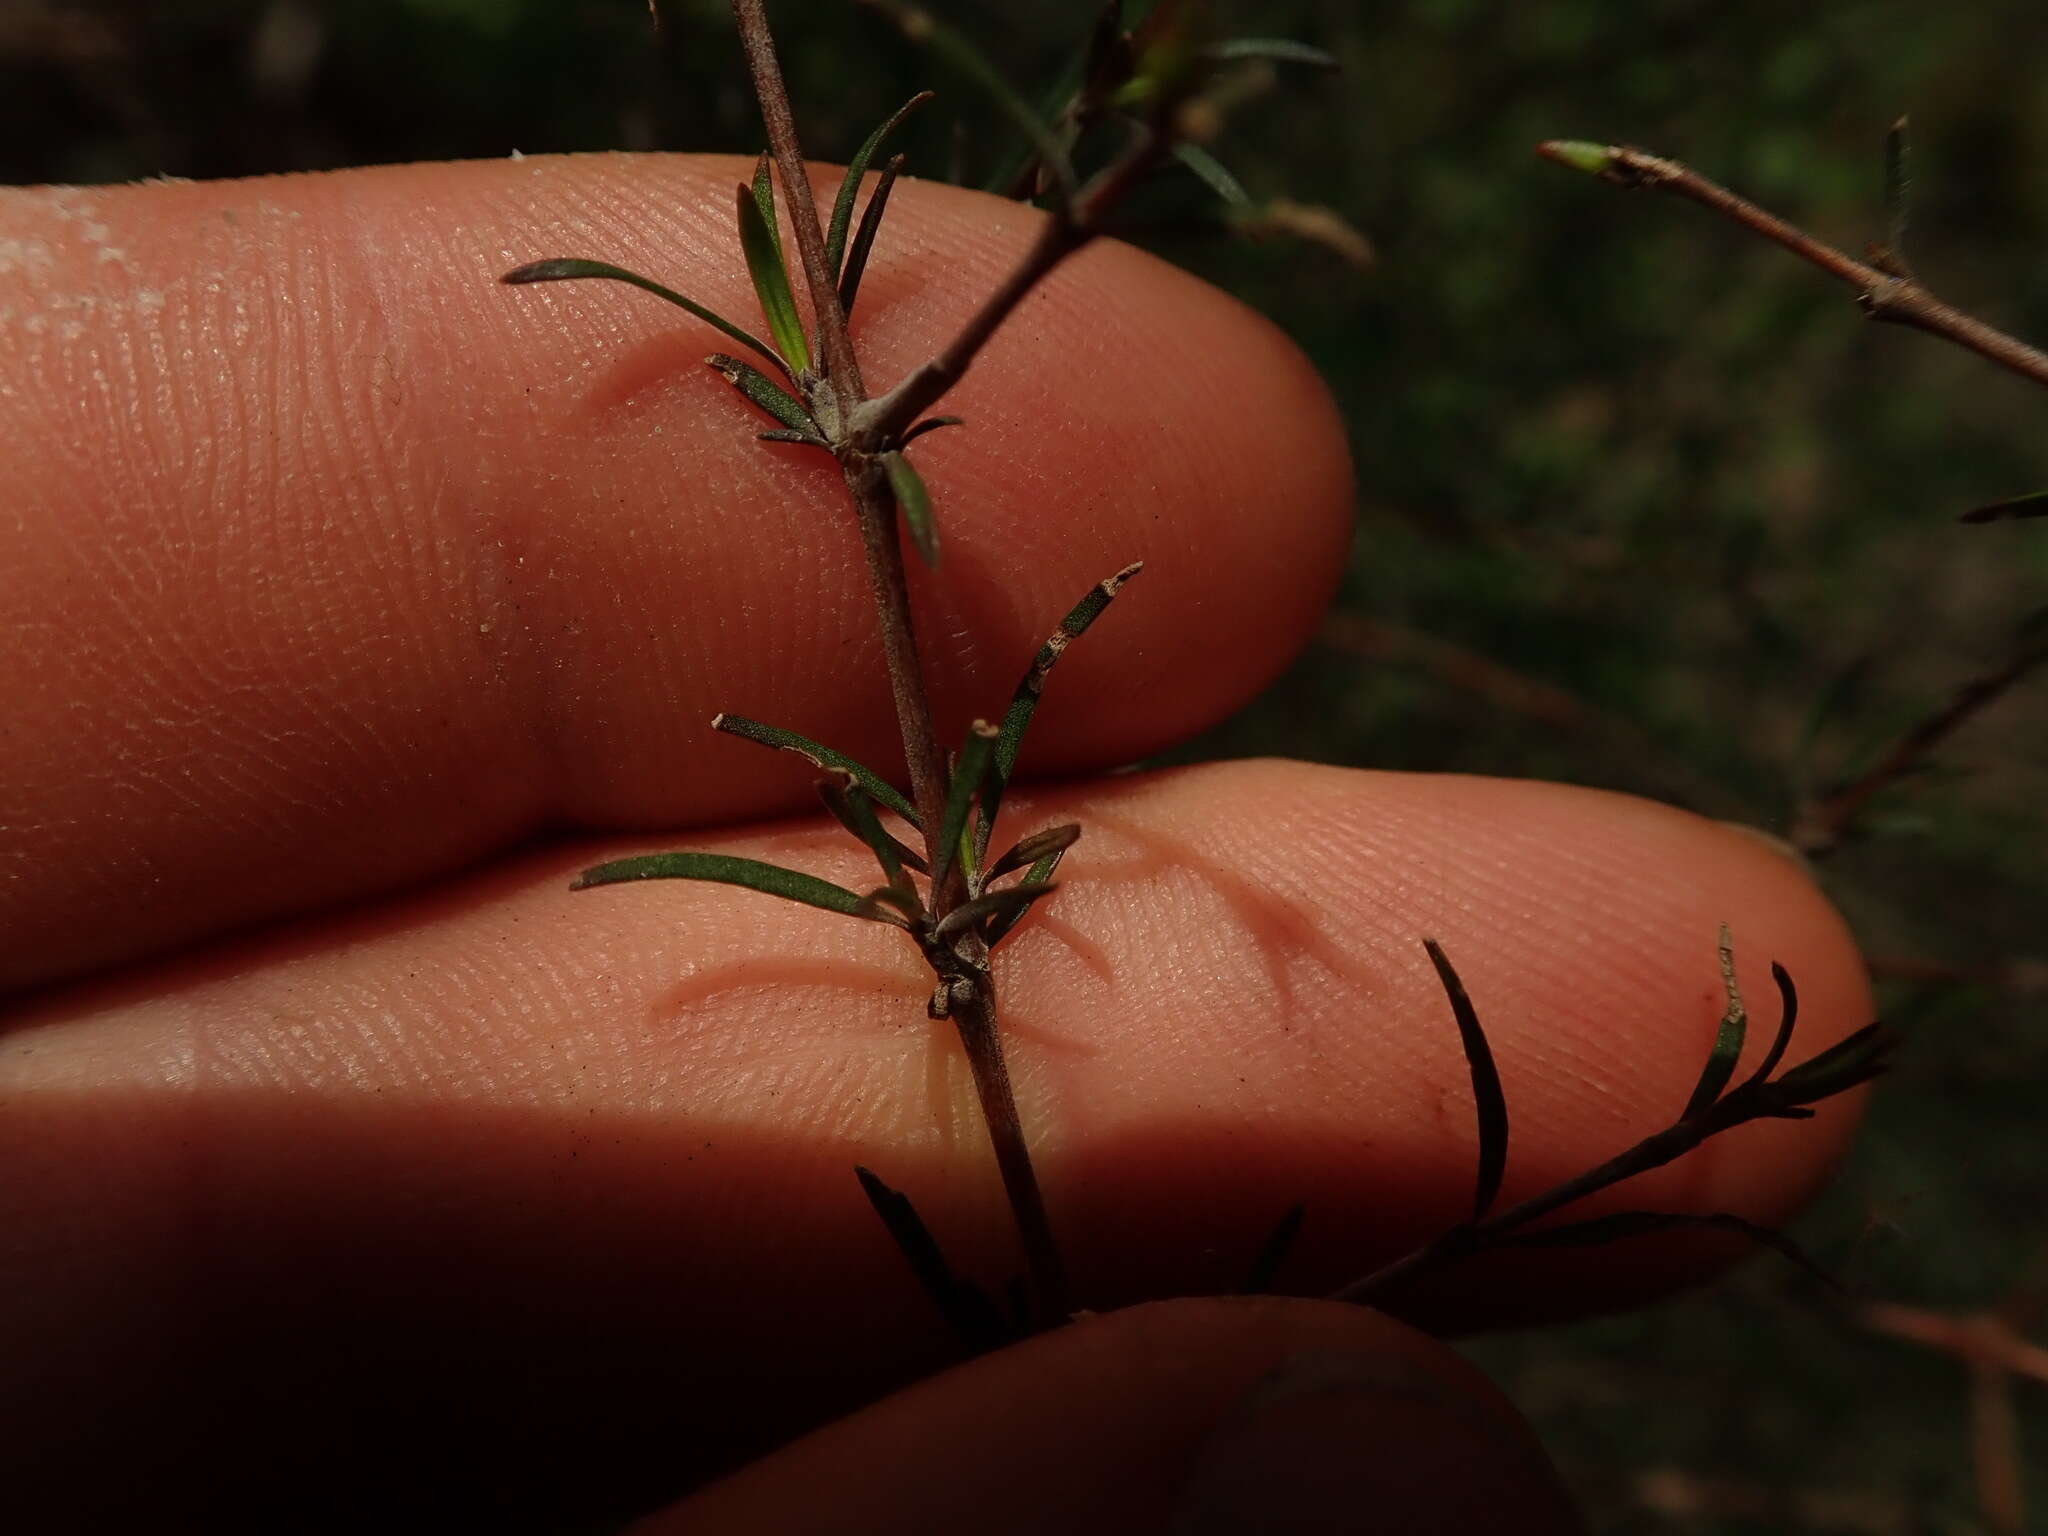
(350, 594)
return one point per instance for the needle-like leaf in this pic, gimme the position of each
(1040, 873)
(564, 268)
(760, 245)
(864, 238)
(763, 189)
(1212, 172)
(819, 756)
(1488, 1101)
(723, 869)
(1727, 1039)
(849, 185)
(767, 394)
(1788, 1017)
(1843, 1066)
(2033, 504)
(1273, 50)
(915, 503)
(851, 807)
(931, 424)
(970, 775)
(1024, 702)
(1035, 847)
(963, 1304)
(1008, 904)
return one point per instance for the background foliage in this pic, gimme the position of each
(1643, 504)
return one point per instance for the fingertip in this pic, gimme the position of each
(1200, 1416)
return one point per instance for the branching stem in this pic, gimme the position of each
(1892, 296)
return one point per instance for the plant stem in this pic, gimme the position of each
(1890, 296)
(875, 507)
(841, 366)
(1063, 233)
(974, 1015)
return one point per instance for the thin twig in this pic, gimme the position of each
(1889, 296)
(1822, 823)
(1064, 232)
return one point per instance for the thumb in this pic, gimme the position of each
(1199, 1417)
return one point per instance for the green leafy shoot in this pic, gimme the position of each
(1488, 1101)
(851, 807)
(920, 26)
(970, 774)
(771, 397)
(1258, 1281)
(880, 789)
(849, 186)
(723, 869)
(1579, 155)
(1270, 50)
(1024, 702)
(915, 503)
(562, 269)
(771, 283)
(1596, 1230)
(1728, 1039)
(1039, 845)
(1213, 173)
(864, 239)
(963, 1304)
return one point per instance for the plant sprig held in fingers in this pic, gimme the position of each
(1161, 87)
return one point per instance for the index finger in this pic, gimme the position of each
(340, 565)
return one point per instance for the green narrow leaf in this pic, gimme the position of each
(864, 239)
(931, 424)
(1212, 171)
(1788, 1016)
(849, 185)
(915, 503)
(1606, 1229)
(1040, 873)
(1258, 1281)
(1843, 1066)
(1273, 50)
(1008, 904)
(568, 269)
(892, 904)
(969, 775)
(808, 439)
(764, 199)
(819, 756)
(723, 869)
(964, 1305)
(1896, 192)
(1727, 1039)
(771, 284)
(1488, 1101)
(1024, 702)
(920, 26)
(851, 807)
(767, 394)
(1038, 845)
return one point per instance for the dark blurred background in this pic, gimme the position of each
(1643, 503)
